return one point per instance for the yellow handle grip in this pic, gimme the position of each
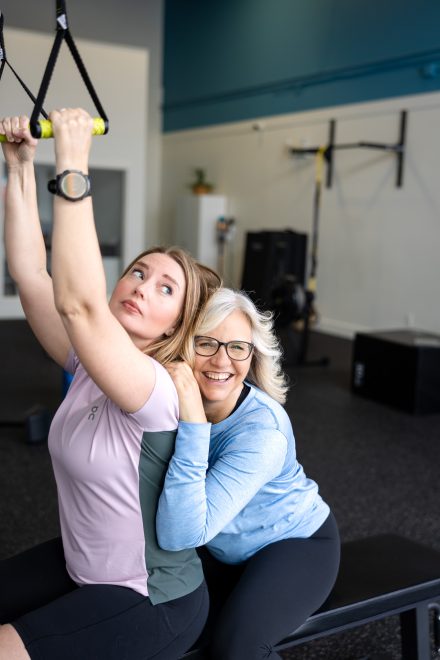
(99, 128)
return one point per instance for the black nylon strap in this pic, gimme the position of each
(4, 60)
(85, 76)
(35, 126)
(61, 15)
(2, 45)
(62, 33)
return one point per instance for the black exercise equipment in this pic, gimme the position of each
(288, 301)
(4, 60)
(274, 276)
(310, 293)
(42, 128)
(328, 151)
(225, 229)
(379, 577)
(269, 257)
(325, 155)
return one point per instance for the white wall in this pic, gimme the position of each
(379, 245)
(124, 97)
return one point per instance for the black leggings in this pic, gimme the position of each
(57, 620)
(255, 604)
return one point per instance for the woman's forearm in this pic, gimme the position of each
(24, 242)
(196, 502)
(77, 268)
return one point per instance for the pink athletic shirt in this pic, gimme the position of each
(109, 468)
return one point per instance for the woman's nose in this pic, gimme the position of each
(140, 289)
(221, 357)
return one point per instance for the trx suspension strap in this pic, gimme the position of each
(3, 61)
(43, 128)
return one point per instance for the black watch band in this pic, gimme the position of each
(72, 185)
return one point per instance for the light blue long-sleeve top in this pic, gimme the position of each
(237, 486)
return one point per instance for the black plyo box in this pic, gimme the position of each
(400, 368)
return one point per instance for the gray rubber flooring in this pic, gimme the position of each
(377, 467)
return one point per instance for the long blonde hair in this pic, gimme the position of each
(265, 371)
(201, 281)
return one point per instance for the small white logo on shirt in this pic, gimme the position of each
(93, 412)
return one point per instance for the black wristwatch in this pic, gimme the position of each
(70, 184)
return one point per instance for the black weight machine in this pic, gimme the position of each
(288, 302)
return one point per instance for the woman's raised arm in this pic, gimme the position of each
(24, 242)
(103, 346)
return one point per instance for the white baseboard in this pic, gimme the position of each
(338, 328)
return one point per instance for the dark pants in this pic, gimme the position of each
(57, 620)
(257, 603)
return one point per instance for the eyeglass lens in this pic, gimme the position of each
(208, 346)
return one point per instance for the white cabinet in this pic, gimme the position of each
(196, 226)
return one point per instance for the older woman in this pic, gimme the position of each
(234, 485)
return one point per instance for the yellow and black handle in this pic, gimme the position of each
(44, 129)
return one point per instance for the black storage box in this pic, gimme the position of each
(398, 367)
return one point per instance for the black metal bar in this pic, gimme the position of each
(415, 638)
(328, 153)
(305, 150)
(435, 607)
(369, 145)
(401, 145)
(349, 145)
(398, 149)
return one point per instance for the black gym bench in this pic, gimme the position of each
(379, 576)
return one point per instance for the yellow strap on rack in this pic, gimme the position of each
(319, 164)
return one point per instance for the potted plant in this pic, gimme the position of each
(201, 186)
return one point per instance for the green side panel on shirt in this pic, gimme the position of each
(171, 574)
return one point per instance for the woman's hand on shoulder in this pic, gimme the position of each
(20, 146)
(190, 399)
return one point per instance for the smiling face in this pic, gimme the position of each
(220, 379)
(148, 299)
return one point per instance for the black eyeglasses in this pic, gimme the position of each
(236, 350)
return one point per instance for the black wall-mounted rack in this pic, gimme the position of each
(328, 151)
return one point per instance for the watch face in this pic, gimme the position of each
(74, 185)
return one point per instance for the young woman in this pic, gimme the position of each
(235, 486)
(106, 590)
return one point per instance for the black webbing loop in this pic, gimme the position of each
(4, 60)
(63, 32)
(85, 76)
(2, 47)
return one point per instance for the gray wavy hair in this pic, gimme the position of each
(265, 371)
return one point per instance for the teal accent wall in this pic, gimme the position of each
(230, 60)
